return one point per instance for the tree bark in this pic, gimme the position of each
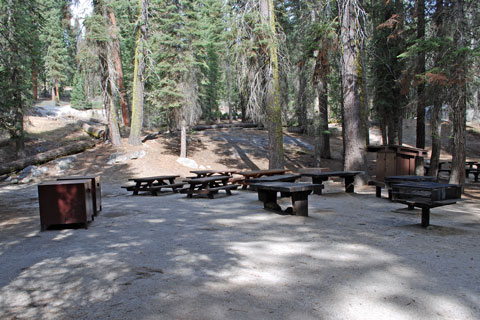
(420, 70)
(139, 77)
(355, 154)
(118, 66)
(34, 80)
(57, 92)
(183, 140)
(436, 131)
(459, 101)
(274, 104)
(301, 109)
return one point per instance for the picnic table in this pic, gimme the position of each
(208, 173)
(267, 192)
(247, 175)
(208, 186)
(319, 176)
(154, 184)
(392, 180)
(426, 195)
(469, 168)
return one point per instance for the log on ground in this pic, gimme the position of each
(93, 131)
(46, 156)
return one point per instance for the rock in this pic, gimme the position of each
(117, 158)
(65, 163)
(138, 154)
(202, 167)
(188, 163)
(26, 171)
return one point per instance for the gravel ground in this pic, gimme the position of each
(169, 257)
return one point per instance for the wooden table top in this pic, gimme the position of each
(257, 173)
(331, 174)
(411, 178)
(147, 179)
(275, 178)
(286, 186)
(210, 172)
(206, 179)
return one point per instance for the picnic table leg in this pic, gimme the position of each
(269, 198)
(349, 184)
(378, 191)
(137, 187)
(425, 217)
(316, 180)
(300, 203)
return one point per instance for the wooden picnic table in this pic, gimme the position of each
(393, 180)
(208, 186)
(259, 173)
(208, 173)
(153, 184)
(267, 192)
(426, 195)
(318, 177)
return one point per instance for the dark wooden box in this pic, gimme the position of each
(65, 202)
(428, 193)
(395, 160)
(96, 190)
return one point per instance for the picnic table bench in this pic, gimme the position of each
(267, 192)
(319, 176)
(153, 184)
(392, 180)
(247, 175)
(426, 195)
(208, 186)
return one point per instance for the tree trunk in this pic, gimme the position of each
(34, 80)
(301, 109)
(139, 77)
(53, 93)
(365, 96)
(355, 154)
(459, 101)
(118, 66)
(183, 140)
(57, 92)
(436, 130)
(229, 86)
(274, 104)
(436, 118)
(420, 70)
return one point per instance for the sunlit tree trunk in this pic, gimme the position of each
(139, 76)
(118, 66)
(355, 154)
(274, 104)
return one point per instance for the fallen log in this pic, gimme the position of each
(46, 156)
(93, 131)
(225, 125)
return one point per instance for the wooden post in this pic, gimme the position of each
(425, 217)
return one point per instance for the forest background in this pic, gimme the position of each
(169, 64)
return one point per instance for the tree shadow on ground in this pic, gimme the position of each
(227, 258)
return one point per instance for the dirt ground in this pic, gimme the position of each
(167, 257)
